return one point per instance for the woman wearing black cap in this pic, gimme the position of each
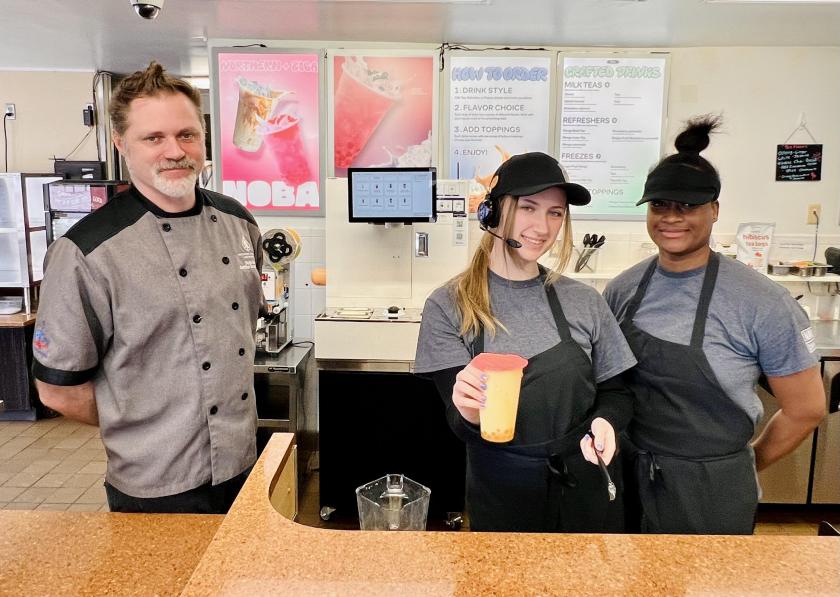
(704, 328)
(506, 303)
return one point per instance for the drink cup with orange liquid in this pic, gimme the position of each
(504, 379)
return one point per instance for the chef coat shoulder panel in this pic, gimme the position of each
(227, 205)
(109, 220)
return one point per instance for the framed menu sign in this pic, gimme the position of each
(383, 106)
(267, 128)
(610, 122)
(799, 162)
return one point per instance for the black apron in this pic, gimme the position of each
(539, 481)
(694, 469)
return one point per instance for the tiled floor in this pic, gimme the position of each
(51, 464)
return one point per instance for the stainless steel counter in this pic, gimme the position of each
(809, 475)
(286, 399)
(827, 336)
(286, 361)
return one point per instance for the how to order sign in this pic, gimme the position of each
(498, 106)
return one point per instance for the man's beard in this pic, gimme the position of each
(175, 188)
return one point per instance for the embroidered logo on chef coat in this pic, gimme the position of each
(40, 342)
(246, 258)
(809, 339)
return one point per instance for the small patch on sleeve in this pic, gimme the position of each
(41, 343)
(809, 339)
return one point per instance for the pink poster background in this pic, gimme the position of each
(408, 122)
(296, 73)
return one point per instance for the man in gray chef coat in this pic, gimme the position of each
(147, 314)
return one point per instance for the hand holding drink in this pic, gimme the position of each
(487, 392)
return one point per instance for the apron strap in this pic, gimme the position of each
(559, 317)
(477, 345)
(641, 290)
(709, 279)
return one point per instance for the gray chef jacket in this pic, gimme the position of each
(158, 310)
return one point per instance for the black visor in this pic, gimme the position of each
(682, 183)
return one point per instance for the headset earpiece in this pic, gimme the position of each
(488, 212)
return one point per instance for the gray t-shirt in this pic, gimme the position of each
(522, 306)
(753, 325)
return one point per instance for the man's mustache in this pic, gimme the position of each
(177, 165)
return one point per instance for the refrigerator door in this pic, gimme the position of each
(14, 262)
(826, 488)
(785, 481)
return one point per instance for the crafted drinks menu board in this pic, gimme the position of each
(498, 106)
(382, 111)
(611, 129)
(268, 129)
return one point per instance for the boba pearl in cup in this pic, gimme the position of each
(281, 134)
(504, 378)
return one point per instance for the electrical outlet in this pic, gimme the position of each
(814, 211)
(88, 116)
(10, 111)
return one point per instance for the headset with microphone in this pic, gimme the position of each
(489, 214)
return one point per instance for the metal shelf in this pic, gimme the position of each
(828, 278)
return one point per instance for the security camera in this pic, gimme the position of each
(147, 9)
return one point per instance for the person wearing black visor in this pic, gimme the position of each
(547, 478)
(704, 328)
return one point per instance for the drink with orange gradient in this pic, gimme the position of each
(504, 379)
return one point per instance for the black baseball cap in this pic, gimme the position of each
(680, 182)
(529, 173)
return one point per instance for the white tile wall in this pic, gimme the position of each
(303, 273)
(319, 299)
(308, 299)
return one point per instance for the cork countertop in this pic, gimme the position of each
(79, 553)
(256, 551)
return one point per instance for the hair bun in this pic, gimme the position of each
(695, 137)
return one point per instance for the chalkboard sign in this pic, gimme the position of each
(798, 162)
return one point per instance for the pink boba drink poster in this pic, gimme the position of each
(268, 130)
(382, 111)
